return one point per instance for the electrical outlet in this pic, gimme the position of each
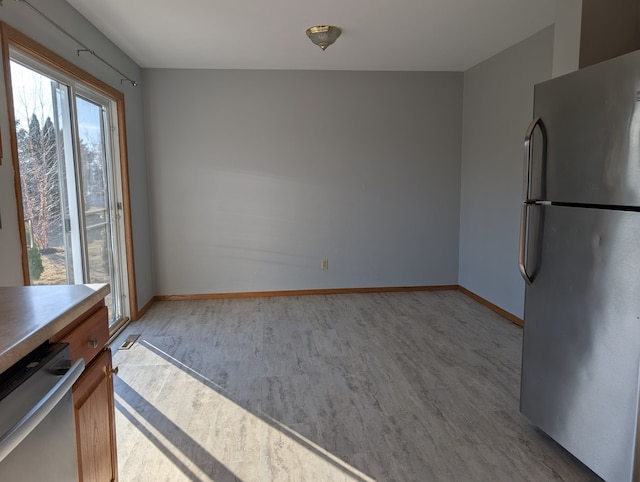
(324, 264)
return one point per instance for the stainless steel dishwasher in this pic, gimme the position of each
(37, 433)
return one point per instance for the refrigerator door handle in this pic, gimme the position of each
(528, 148)
(524, 221)
(526, 201)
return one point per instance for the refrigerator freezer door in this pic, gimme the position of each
(581, 349)
(592, 120)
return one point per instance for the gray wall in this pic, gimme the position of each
(23, 18)
(498, 106)
(257, 175)
(566, 37)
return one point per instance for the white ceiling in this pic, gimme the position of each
(259, 34)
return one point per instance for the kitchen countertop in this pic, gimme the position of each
(30, 315)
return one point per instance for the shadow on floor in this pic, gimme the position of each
(189, 447)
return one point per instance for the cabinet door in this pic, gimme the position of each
(95, 422)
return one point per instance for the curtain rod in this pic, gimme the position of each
(84, 47)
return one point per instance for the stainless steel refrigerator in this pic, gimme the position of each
(580, 256)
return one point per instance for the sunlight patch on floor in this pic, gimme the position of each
(197, 432)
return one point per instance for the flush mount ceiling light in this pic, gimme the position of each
(323, 35)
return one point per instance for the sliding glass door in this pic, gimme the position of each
(67, 151)
(99, 203)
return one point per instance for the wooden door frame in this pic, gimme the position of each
(16, 39)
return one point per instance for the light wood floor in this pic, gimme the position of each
(416, 386)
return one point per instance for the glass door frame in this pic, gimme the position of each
(14, 40)
(113, 173)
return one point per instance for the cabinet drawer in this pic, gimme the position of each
(89, 337)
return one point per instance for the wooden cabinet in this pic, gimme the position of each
(95, 421)
(88, 338)
(93, 398)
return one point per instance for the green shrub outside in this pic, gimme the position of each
(35, 263)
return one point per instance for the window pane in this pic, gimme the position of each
(41, 154)
(97, 212)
